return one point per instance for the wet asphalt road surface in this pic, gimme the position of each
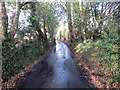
(58, 70)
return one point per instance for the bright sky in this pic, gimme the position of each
(62, 26)
(23, 17)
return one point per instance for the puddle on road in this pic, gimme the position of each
(60, 49)
(61, 74)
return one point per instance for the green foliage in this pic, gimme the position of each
(106, 51)
(14, 59)
(45, 11)
(104, 45)
(34, 38)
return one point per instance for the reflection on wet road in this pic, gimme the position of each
(57, 71)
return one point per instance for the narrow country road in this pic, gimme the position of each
(58, 70)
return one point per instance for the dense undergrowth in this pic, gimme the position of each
(102, 58)
(14, 59)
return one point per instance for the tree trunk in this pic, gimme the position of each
(4, 21)
(45, 32)
(69, 19)
(80, 33)
(16, 20)
(17, 14)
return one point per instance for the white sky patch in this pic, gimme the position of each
(62, 27)
(23, 17)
